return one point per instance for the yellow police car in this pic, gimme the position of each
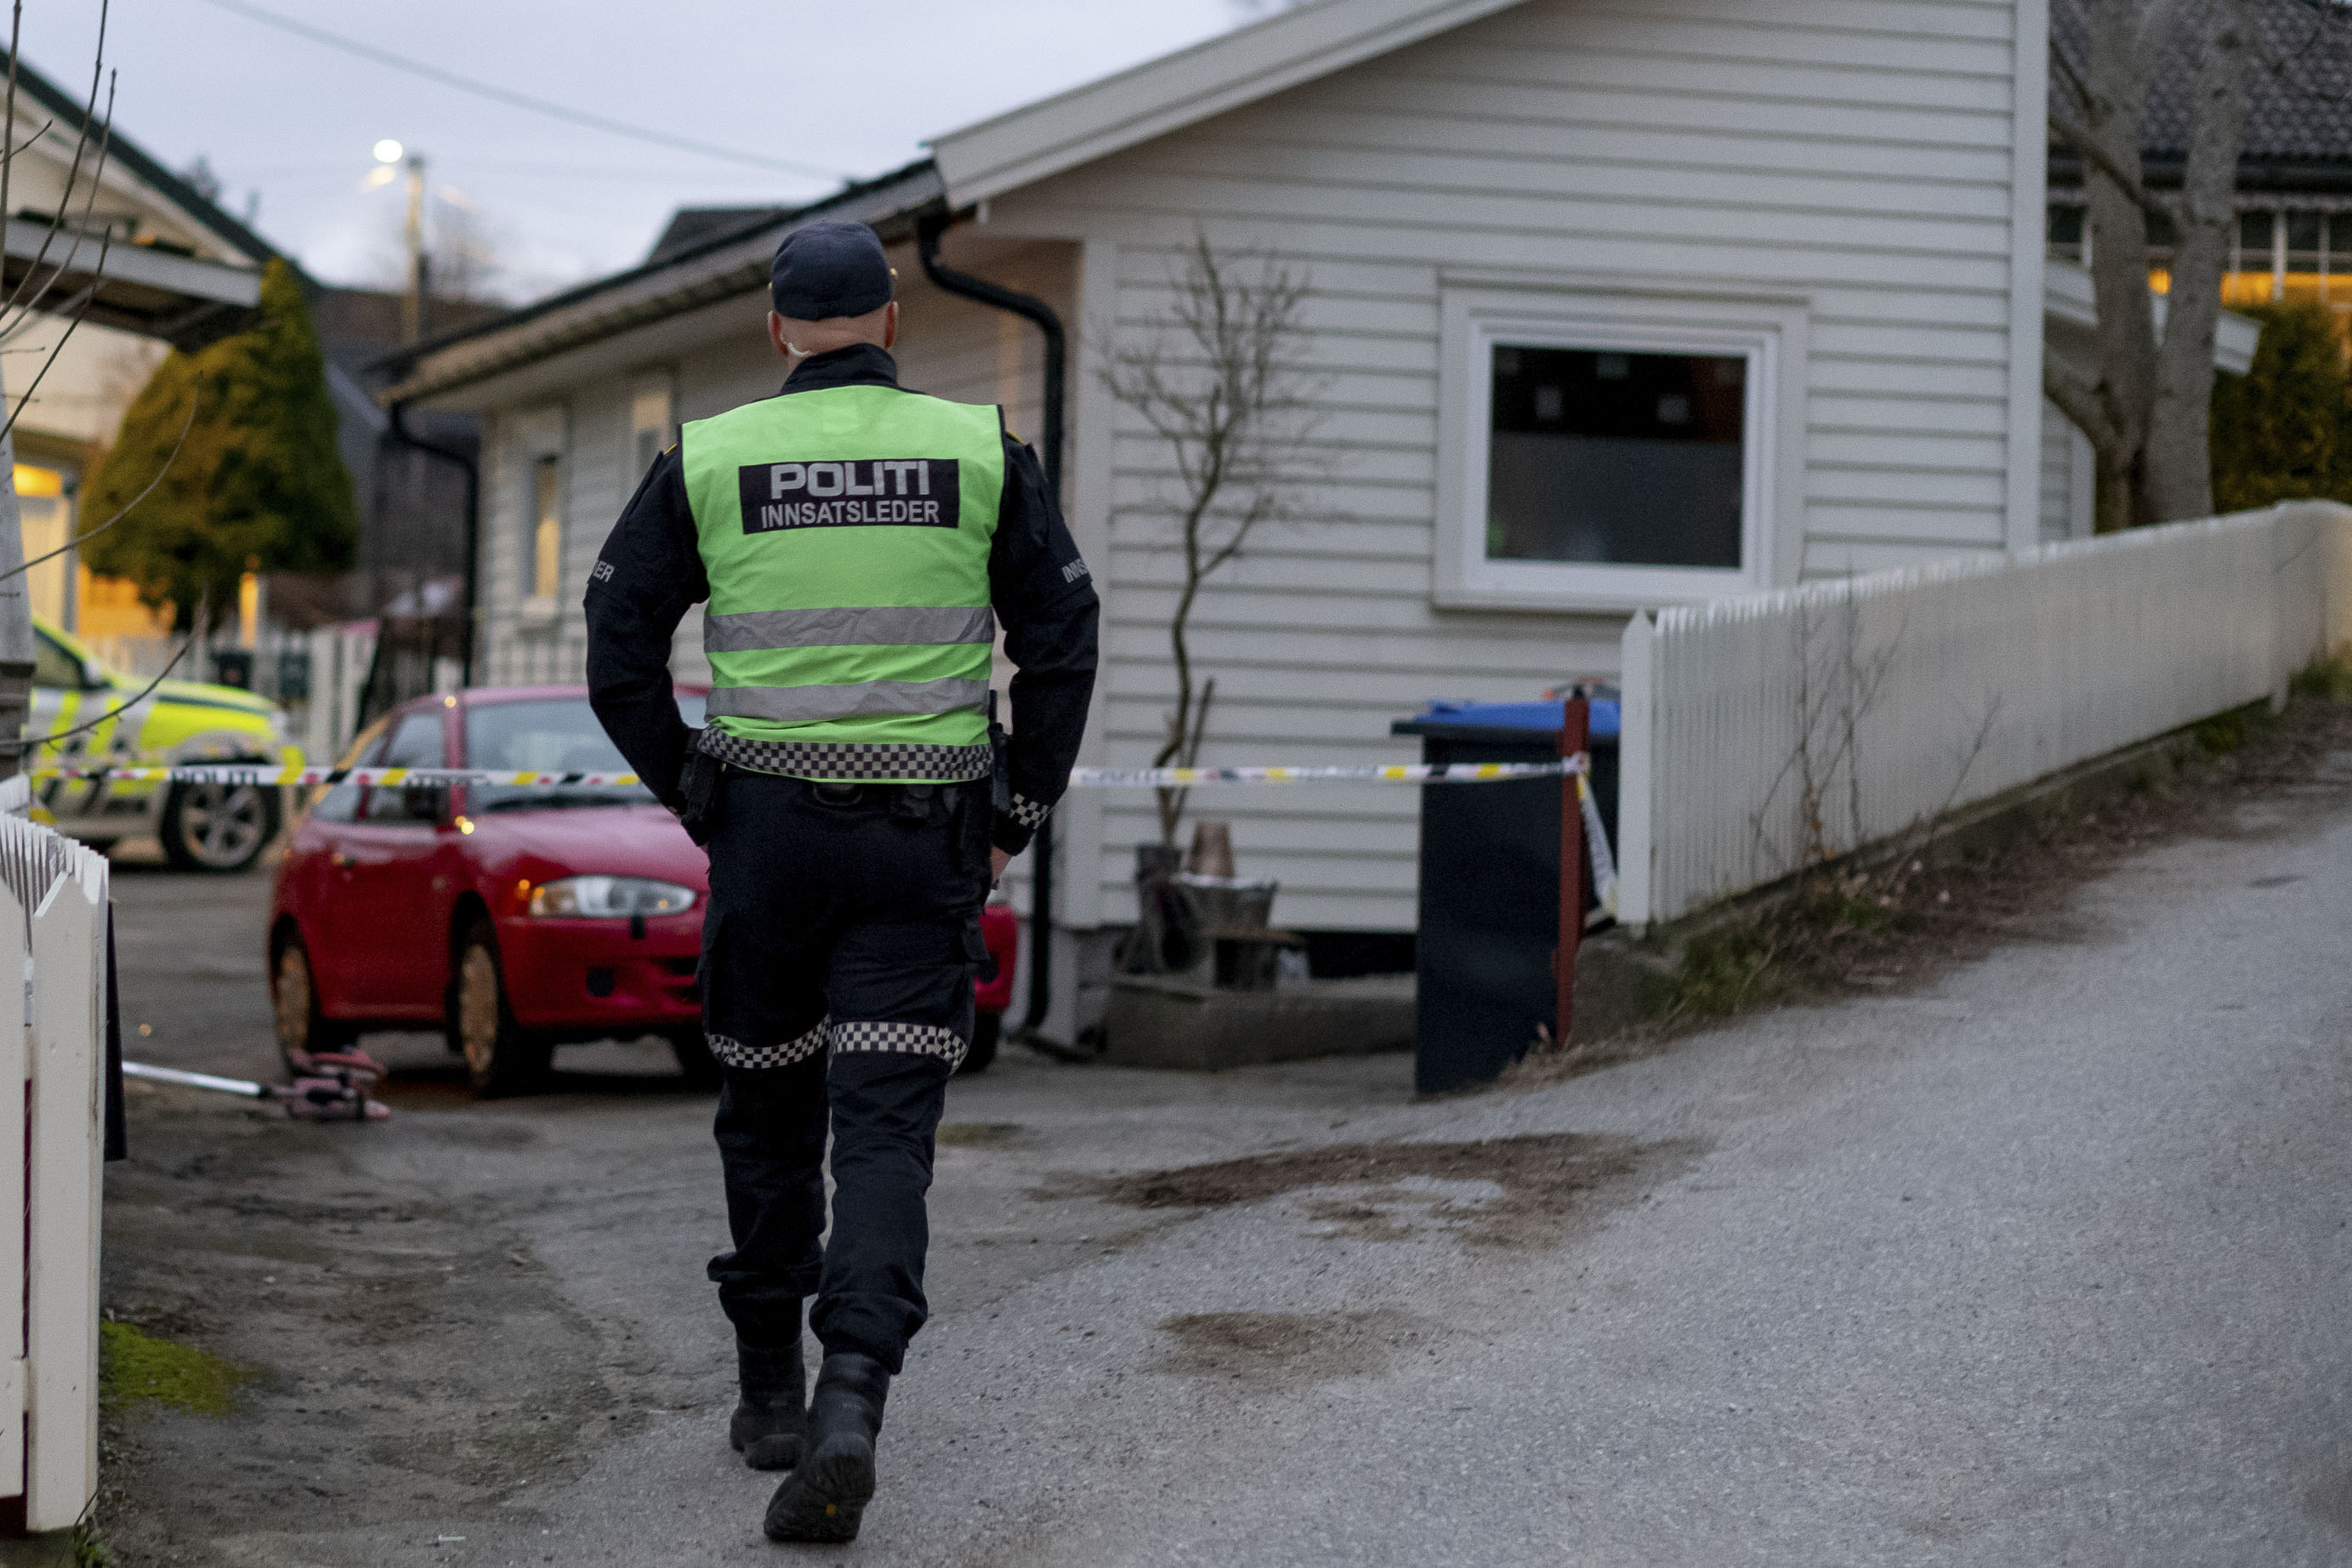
(202, 827)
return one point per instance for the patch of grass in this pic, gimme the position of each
(134, 1367)
(2330, 678)
(89, 1548)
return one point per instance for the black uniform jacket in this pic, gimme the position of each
(651, 570)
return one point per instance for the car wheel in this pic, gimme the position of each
(694, 1062)
(217, 827)
(500, 1058)
(294, 1002)
(985, 1028)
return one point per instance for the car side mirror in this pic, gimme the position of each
(426, 802)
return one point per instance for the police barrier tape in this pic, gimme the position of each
(1604, 869)
(1080, 778)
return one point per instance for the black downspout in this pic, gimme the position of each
(927, 246)
(473, 467)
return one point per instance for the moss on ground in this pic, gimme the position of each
(135, 1367)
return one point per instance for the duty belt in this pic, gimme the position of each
(879, 761)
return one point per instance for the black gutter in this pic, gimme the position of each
(473, 467)
(927, 246)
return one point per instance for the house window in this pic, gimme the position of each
(650, 422)
(1616, 456)
(1601, 451)
(547, 529)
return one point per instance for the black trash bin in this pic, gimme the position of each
(1490, 885)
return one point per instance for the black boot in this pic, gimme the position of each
(766, 1428)
(823, 1499)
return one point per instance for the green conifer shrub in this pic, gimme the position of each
(2283, 431)
(257, 480)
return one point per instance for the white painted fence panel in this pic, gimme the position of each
(53, 900)
(1766, 731)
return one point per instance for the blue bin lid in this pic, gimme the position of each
(1544, 716)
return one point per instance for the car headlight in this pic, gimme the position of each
(604, 898)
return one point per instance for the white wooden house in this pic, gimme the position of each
(1825, 219)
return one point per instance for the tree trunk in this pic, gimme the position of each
(2177, 474)
(2118, 236)
(15, 612)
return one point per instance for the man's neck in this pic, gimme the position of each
(859, 364)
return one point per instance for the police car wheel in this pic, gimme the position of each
(217, 827)
(985, 1028)
(501, 1057)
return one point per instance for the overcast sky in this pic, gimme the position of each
(852, 88)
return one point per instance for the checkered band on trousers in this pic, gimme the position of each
(849, 760)
(913, 1040)
(1028, 813)
(736, 1054)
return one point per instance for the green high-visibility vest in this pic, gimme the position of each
(845, 532)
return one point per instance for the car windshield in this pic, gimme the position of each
(549, 735)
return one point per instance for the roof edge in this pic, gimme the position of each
(1229, 71)
(636, 297)
(121, 149)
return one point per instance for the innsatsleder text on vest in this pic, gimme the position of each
(878, 492)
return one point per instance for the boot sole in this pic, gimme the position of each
(764, 1450)
(770, 1453)
(824, 1499)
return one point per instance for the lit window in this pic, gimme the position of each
(547, 533)
(650, 423)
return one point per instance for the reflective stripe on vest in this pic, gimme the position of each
(846, 533)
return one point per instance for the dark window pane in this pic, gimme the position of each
(416, 743)
(53, 665)
(341, 802)
(2303, 231)
(550, 735)
(2339, 242)
(2254, 235)
(2065, 225)
(1608, 456)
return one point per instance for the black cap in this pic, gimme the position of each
(828, 270)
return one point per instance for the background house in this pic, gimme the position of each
(182, 272)
(2293, 241)
(1829, 221)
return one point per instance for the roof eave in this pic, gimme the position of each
(1224, 73)
(718, 268)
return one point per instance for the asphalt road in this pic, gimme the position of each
(2048, 1263)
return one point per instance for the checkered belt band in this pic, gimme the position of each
(880, 762)
(736, 1054)
(860, 1035)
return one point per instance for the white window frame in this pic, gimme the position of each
(1767, 331)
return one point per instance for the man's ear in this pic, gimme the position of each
(890, 326)
(776, 334)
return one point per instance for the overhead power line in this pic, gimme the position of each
(516, 99)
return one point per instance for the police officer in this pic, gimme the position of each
(857, 543)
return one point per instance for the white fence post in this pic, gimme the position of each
(14, 1069)
(68, 1144)
(1636, 712)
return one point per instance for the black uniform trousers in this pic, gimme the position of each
(838, 953)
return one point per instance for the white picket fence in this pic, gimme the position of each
(53, 932)
(1764, 731)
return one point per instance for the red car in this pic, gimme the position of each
(514, 918)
